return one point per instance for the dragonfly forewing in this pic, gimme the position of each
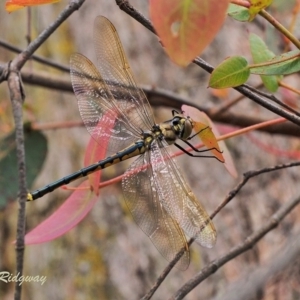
(96, 101)
(143, 201)
(160, 200)
(115, 69)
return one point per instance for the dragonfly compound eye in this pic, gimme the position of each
(187, 128)
(182, 127)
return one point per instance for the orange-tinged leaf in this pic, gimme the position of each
(202, 126)
(256, 6)
(12, 5)
(208, 136)
(220, 93)
(186, 27)
(69, 214)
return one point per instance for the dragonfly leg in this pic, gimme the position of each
(197, 150)
(192, 136)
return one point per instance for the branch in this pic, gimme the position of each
(248, 175)
(256, 279)
(161, 97)
(17, 97)
(131, 11)
(243, 89)
(249, 242)
(36, 58)
(230, 196)
(22, 58)
(252, 94)
(280, 28)
(11, 73)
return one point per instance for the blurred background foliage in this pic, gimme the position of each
(107, 256)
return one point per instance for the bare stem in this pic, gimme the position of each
(280, 28)
(244, 246)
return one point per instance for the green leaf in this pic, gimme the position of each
(231, 72)
(35, 149)
(238, 13)
(261, 53)
(291, 64)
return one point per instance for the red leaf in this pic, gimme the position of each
(12, 5)
(186, 27)
(69, 214)
(95, 151)
(77, 206)
(276, 151)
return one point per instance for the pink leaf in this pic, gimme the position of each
(69, 214)
(81, 201)
(95, 151)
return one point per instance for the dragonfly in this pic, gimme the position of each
(158, 197)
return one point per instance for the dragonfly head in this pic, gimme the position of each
(182, 126)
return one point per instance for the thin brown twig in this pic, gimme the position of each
(34, 45)
(280, 28)
(253, 95)
(17, 98)
(37, 58)
(162, 97)
(256, 278)
(248, 175)
(13, 77)
(288, 87)
(247, 244)
(243, 89)
(228, 104)
(275, 100)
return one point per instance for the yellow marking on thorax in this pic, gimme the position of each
(168, 133)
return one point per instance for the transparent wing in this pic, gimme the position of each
(94, 101)
(115, 69)
(111, 92)
(142, 199)
(178, 199)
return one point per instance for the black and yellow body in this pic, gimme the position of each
(169, 131)
(136, 149)
(159, 199)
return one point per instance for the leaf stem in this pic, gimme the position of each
(280, 27)
(273, 62)
(288, 87)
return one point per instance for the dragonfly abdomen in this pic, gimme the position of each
(135, 149)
